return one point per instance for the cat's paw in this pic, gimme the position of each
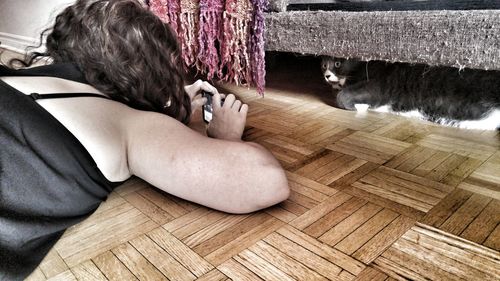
(345, 101)
(361, 107)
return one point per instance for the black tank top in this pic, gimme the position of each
(48, 180)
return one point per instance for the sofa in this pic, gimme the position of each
(466, 36)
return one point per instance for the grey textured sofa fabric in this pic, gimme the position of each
(454, 38)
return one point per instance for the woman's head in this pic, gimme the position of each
(124, 51)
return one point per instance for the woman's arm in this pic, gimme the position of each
(231, 176)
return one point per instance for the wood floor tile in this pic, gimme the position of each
(64, 276)
(185, 219)
(484, 224)
(489, 169)
(161, 260)
(376, 245)
(340, 231)
(485, 179)
(466, 214)
(415, 192)
(427, 253)
(52, 264)
(493, 240)
(471, 208)
(136, 263)
(196, 238)
(282, 212)
(369, 147)
(36, 275)
(88, 271)
(108, 230)
(399, 129)
(231, 234)
(336, 257)
(211, 217)
(371, 274)
(242, 242)
(366, 232)
(255, 134)
(320, 210)
(298, 181)
(316, 132)
(147, 207)
(284, 263)
(350, 120)
(261, 267)
(331, 219)
(354, 175)
(444, 209)
(164, 201)
(235, 271)
(458, 146)
(183, 254)
(435, 165)
(214, 275)
(112, 267)
(297, 252)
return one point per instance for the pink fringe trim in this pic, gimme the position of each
(209, 37)
(188, 30)
(235, 56)
(174, 9)
(223, 38)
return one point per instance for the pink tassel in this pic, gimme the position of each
(235, 56)
(174, 10)
(257, 50)
(188, 31)
(210, 35)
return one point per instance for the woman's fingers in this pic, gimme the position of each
(197, 102)
(194, 89)
(228, 102)
(236, 105)
(216, 101)
(205, 86)
(244, 110)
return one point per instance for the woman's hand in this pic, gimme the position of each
(228, 121)
(194, 92)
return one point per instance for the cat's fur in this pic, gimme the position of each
(463, 98)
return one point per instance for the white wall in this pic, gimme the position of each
(22, 21)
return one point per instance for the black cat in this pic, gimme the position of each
(462, 98)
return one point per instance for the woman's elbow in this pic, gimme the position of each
(269, 183)
(276, 189)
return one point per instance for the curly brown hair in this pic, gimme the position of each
(124, 51)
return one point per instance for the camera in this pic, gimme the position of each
(207, 107)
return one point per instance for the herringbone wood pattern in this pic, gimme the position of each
(374, 197)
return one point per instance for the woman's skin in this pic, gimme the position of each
(220, 171)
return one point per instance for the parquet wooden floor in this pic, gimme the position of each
(374, 197)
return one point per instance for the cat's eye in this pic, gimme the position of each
(324, 66)
(337, 64)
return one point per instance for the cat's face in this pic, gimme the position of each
(336, 71)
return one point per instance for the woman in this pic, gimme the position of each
(123, 112)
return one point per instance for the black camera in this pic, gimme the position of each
(207, 107)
